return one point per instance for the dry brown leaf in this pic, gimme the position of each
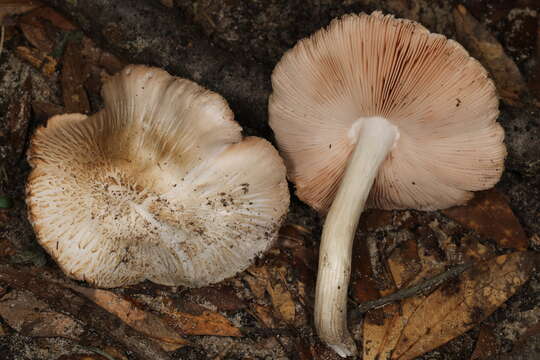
(204, 323)
(44, 110)
(16, 7)
(32, 317)
(36, 33)
(485, 47)
(490, 215)
(426, 322)
(223, 297)
(51, 16)
(363, 282)
(374, 219)
(43, 62)
(142, 321)
(282, 301)
(272, 280)
(264, 314)
(73, 92)
(256, 283)
(405, 263)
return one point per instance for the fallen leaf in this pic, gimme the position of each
(16, 7)
(363, 282)
(142, 321)
(36, 33)
(50, 286)
(41, 61)
(52, 16)
(222, 297)
(292, 236)
(273, 281)
(32, 317)
(404, 263)
(257, 280)
(282, 301)
(72, 80)
(426, 322)
(490, 215)
(485, 47)
(374, 219)
(487, 345)
(204, 323)
(44, 110)
(264, 314)
(297, 240)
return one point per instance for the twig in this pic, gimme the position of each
(413, 290)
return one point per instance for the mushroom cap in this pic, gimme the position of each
(440, 98)
(158, 185)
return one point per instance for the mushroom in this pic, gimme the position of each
(379, 110)
(158, 185)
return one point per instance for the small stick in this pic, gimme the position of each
(413, 290)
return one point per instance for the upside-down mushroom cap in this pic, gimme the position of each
(441, 100)
(158, 185)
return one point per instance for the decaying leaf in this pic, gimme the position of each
(423, 323)
(490, 215)
(44, 110)
(51, 287)
(45, 13)
(485, 47)
(142, 321)
(73, 92)
(264, 314)
(374, 219)
(32, 317)
(35, 32)
(41, 61)
(282, 301)
(15, 7)
(205, 322)
(273, 281)
(222, 297)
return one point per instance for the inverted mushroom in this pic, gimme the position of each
(158, 185)
(379, 110)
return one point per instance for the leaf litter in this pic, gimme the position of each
(280, 289)
(479, 281)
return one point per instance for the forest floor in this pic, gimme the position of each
(55, 54)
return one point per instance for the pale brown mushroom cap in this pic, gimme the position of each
(159, 185)
(440, 98)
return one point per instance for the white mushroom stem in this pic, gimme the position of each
(376, 138)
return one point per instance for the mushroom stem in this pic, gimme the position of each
(376, 138)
